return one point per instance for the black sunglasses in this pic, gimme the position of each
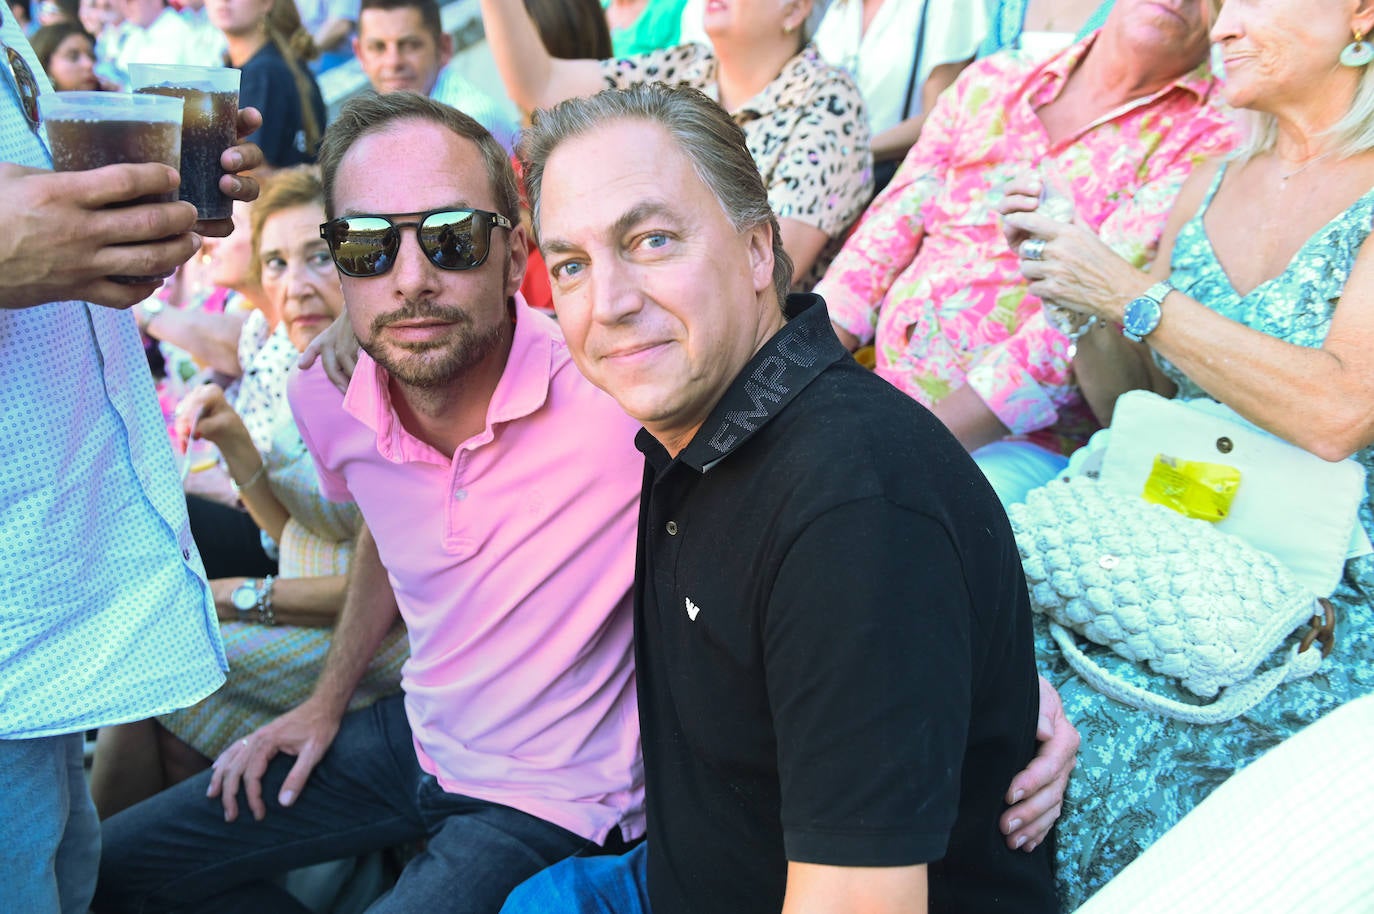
(452, 239)
(25, 83)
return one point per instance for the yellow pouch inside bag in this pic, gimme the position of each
(1193, 488)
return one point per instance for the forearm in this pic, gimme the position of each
(212, 339)
(334, 31)
(249, 472)
(1108, 365)
(818, 889)
(531, 75)
(369, 612)
(966, 415)
(1321, 399)
(312, 602)
(803, 243)
(896, 141)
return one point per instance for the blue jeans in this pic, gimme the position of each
(1016, 467)
(175, 851)
(587, 885)
(49, 832)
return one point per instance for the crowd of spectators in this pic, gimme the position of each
(1217, 159)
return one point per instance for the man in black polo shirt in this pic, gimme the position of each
(833, 634)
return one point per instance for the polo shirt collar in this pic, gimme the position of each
(790, 360)
(523, 389)
(1048, 81)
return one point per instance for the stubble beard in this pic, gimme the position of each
(430, 365)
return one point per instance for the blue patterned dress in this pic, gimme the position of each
(1138, 774)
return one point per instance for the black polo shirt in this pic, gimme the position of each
(833, 643)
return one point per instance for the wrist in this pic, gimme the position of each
(252, 601)
(146, 312)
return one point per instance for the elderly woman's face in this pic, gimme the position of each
(298, 275)
(1273, 51)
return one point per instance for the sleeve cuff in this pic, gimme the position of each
(834, 848)
(1012, 393)
(848, 312)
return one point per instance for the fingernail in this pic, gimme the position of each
(1017, 794)
(287, 797)
(226, 817)
(1032, 846)
(235, 161)
(1013, 825)
(238, 185)
(1020, 840)
(1043, 722)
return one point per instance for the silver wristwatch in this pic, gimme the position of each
(252, 600)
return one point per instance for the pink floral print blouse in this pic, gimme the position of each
(929, 274)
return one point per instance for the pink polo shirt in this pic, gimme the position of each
(512, 565)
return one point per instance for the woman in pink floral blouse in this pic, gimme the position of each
(927, 276)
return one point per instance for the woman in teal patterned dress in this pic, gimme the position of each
(1273, 316)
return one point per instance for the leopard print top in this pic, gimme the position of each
(807, 130)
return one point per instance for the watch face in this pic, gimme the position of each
(244, 597)
(1141, 317)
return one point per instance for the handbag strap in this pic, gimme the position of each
(916, 60)
(1233, 702)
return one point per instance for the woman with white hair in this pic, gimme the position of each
(1265, 304)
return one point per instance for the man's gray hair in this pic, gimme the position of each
(707, 136)
(368, 113)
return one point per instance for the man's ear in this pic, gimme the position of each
(445, 49)
(760, 239)
(518, 258)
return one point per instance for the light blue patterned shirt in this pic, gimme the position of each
(105, 616)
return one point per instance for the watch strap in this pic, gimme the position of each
(1158, 291)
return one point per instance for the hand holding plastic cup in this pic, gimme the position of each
(94, 129)
(1056, 202)
(209, 126)
(200, 453)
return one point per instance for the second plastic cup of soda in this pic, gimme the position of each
(209, 126)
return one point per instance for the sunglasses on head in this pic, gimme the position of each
(452, 239)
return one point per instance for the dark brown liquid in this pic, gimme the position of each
(209, 125)
(79, 145)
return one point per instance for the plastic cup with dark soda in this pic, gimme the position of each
(93, 129)
(209, 126)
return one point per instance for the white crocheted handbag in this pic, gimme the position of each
(1165, 590)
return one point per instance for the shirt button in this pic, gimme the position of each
(186, 554)
(460, 494)
(672, 528)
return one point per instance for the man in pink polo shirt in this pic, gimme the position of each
(499, 488)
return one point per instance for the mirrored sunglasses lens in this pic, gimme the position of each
(363, 245)
(455, 240)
